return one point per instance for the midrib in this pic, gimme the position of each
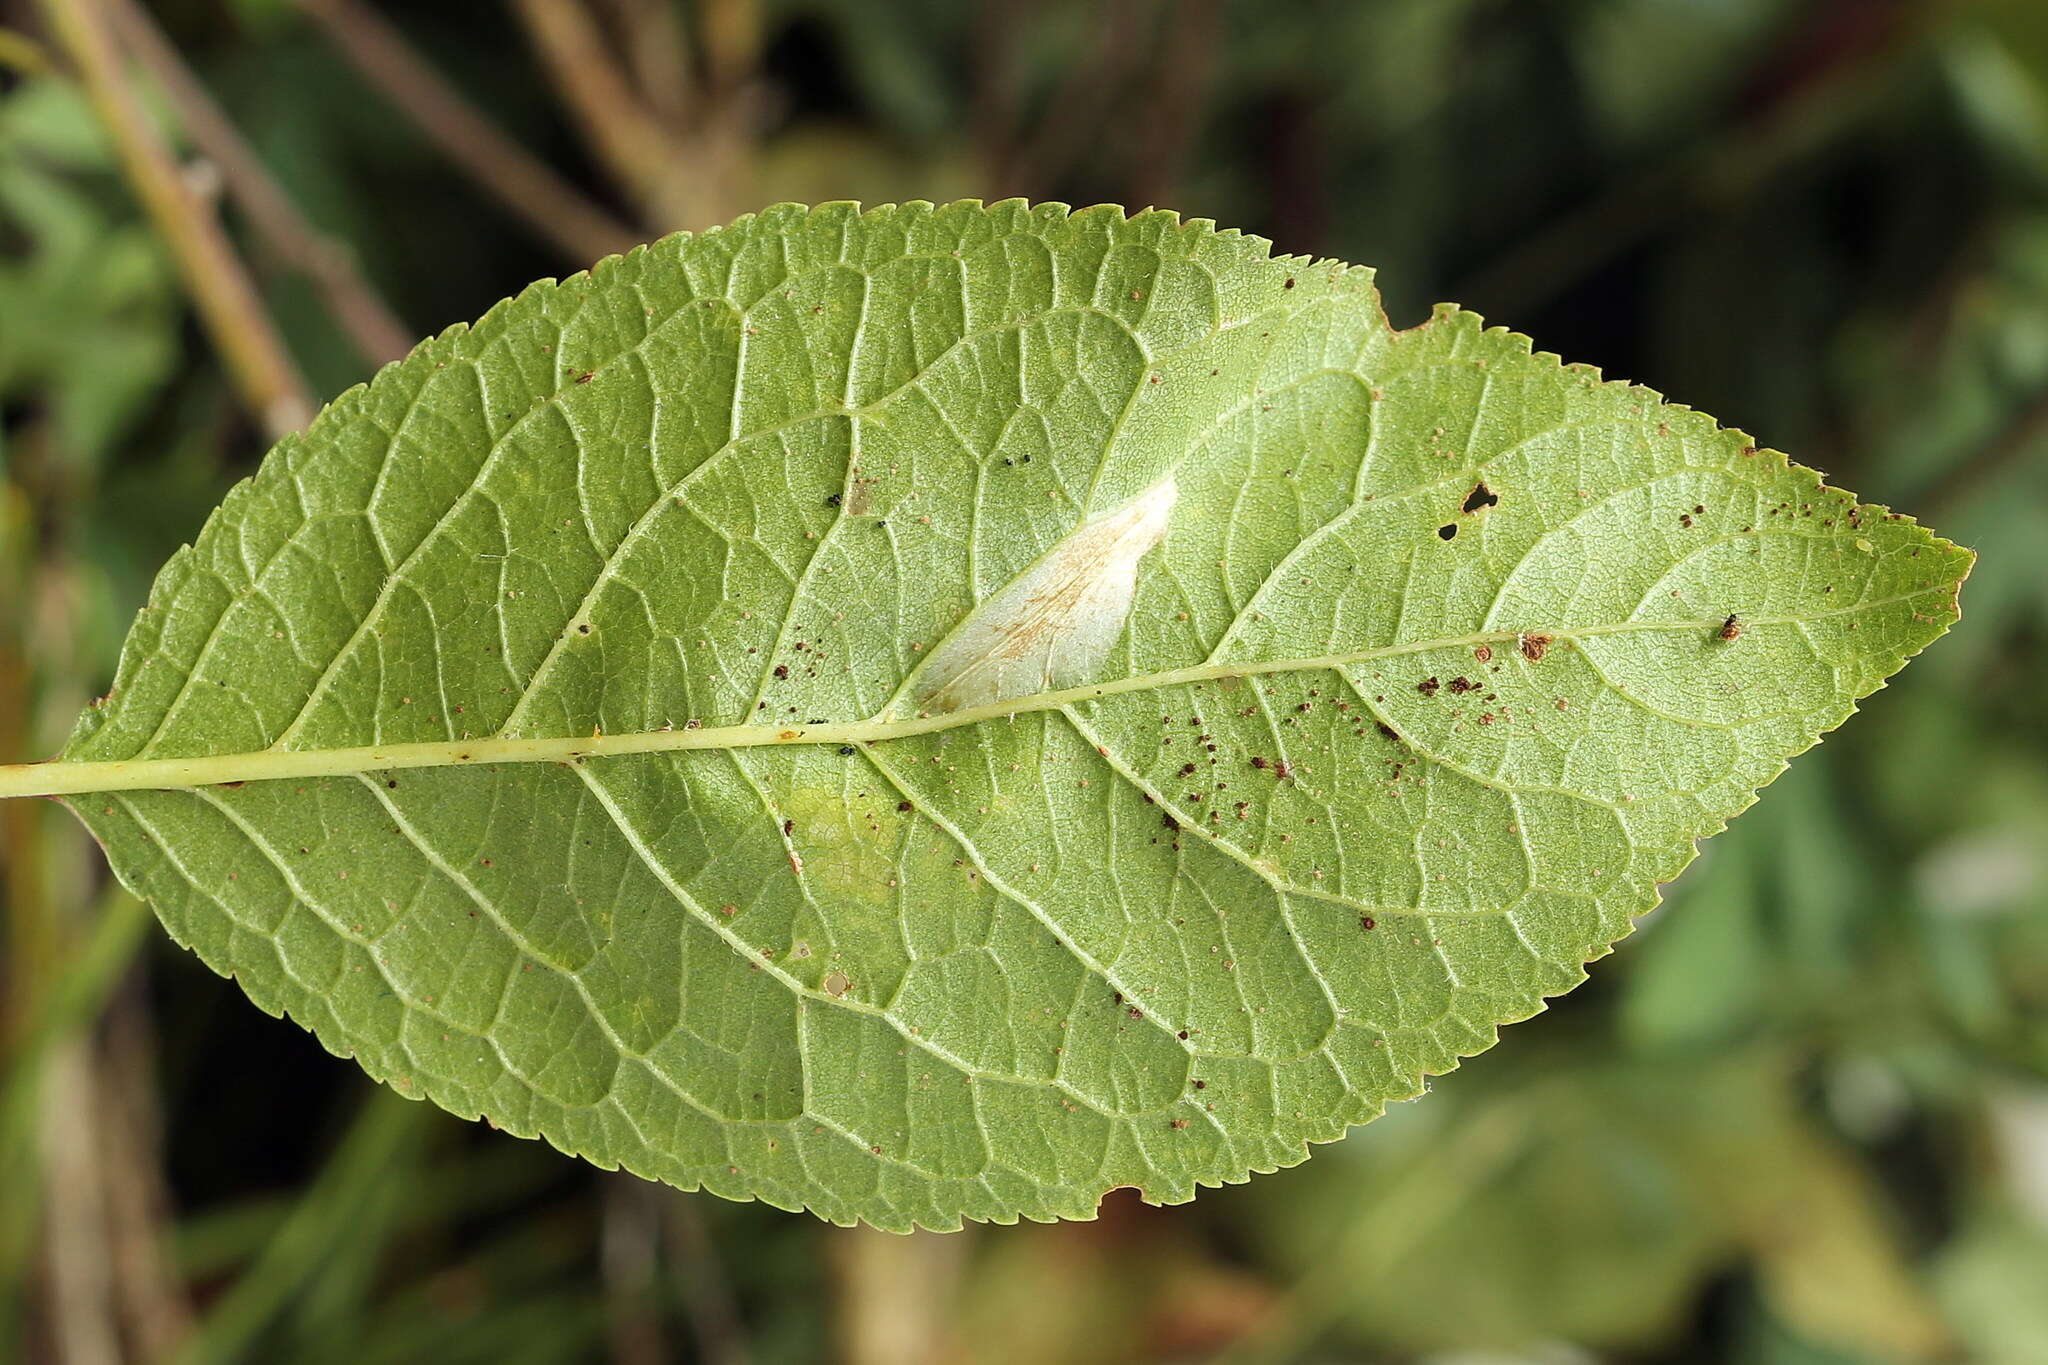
(60, 778)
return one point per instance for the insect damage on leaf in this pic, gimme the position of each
(926, 737)
(1053, 625)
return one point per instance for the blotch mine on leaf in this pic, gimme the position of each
(1054, 624)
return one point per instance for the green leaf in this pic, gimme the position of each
(937, 713)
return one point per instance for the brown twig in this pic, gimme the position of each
(370, 323)
(227, 299)
(628, 1262)
(634, 144)
(716, 1326)
(729, 32)
(721, 126)
(78, 1257)
(895, 1297)
(151, 1295)
(658, 51)
(543, 200)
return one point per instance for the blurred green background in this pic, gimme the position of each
(1800, 1119)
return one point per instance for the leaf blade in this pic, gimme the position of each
(1370, 764)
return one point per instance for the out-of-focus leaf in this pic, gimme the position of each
(1656, 1177)
(88, 306)
(1828, 1258)
(1699, 979)
(1989, 1279)
(1654, 68)
(896, 53)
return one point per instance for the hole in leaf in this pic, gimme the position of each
(1447, 531)
(1480, 496)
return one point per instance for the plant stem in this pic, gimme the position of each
(226, 297)
(370, 323)
(658, 51)
(716, 1326)
(634, 144)
(320, 1224)
(21, 54)
(550, 205)
(629, 1242)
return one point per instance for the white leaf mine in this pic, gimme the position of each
(1054, 624)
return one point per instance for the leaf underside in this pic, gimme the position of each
(1416, 678)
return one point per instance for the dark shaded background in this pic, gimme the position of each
(1800, 1119)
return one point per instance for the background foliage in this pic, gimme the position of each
(1801, 1118)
